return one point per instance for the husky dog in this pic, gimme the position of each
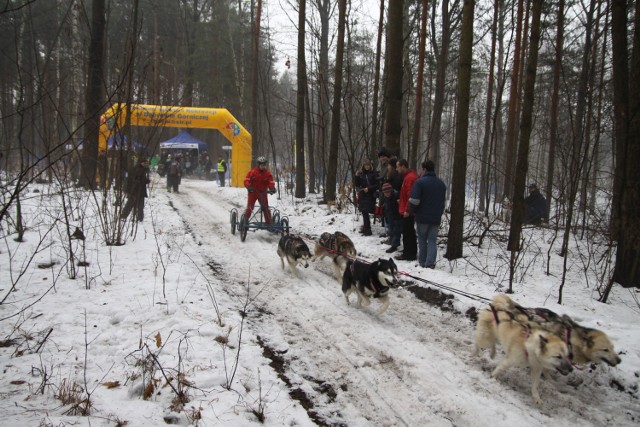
(540, 350)
(295, 250)
(369, 280)
(504, 214)
(337, 246)
(586, 345)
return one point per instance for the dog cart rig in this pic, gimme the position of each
(257, 222)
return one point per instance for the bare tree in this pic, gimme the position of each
(376, 80)
(626, 196)
(257, 144)
(553, 112)
(302, 89)
(95, 95)
(413, 153)
(332, 171)
(486, 142)
(458, 184)
(393, 94)
(525, 135)
(514, 96)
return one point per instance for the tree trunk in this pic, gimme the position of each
(332, 170)
(433, 144)
(553, 126)
(484, 174)
(300, 98)
(517, 218)
(257, 145)
(393, 95)
(413, 153)
(626, 197)
(376, 81)
(458, 183)
(512, 118)
(95, 96)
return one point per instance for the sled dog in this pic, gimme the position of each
(337, 246)
(506, 209)
(295, 250)
(369, 281)
(586, 345)
(540, 350)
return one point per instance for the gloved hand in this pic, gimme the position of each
(272, 191)
(250, 189)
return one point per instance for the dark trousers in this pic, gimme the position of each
(221, 178)
(409, 241)
(137, 205)
(366, 222)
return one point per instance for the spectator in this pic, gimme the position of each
(392, 215)
(395, 179)
(366, 181)
(383, 160)
(137, 190)
(427, 202)
(409, 242)
(222, 170)
(173, 170)
(535, 206)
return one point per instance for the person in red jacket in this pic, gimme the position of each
(258, 183)
(409, 240)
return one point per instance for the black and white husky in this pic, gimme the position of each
(370, 281)
(295, 250)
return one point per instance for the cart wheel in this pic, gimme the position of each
(275, 219)
(242, 227)
(284, 224)
(234, 221)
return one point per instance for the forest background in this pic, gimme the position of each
(499, 94)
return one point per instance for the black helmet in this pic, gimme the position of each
(261, 160)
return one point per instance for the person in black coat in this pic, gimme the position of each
(535, 206)
(366, 182)
(137, 190)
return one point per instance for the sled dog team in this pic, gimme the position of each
(540, 339)
(536, 338)
(367, 280)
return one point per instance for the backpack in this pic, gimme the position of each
(173, 168)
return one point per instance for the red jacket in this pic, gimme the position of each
(409, 178)
(259, 180)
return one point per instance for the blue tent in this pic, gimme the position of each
(184, 140)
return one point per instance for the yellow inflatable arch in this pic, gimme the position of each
(183, 117)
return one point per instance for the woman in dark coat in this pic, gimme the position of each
(366, 182)
(137, 190)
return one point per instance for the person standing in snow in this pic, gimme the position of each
(366, 181)
(137, 190)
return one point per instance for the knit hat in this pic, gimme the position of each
(386, 187)
(383, 152)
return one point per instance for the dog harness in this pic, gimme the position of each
(373, 285)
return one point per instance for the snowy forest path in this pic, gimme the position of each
(351, 364)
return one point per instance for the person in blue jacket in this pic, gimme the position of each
(427, 203)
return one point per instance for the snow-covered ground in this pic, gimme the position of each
(187, 309)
